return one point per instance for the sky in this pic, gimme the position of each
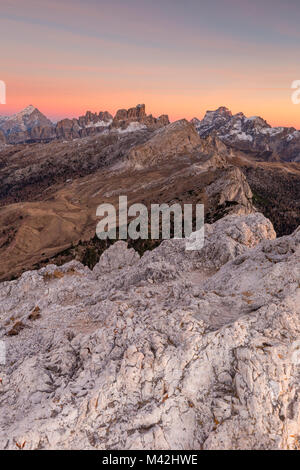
(178, 57)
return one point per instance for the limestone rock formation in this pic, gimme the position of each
(87, 125)
(178, 138)
(133, 119)
(180, 350)
(231, 192)
(116, 257)
(27, 125)
(232, 236)
(251, 134)
(125, 119)
(30, 125)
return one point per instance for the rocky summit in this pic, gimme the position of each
(28, 125)
(251, 134)
(171, 350)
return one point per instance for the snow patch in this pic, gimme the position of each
(132, 127)
(100, 124)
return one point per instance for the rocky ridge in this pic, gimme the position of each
(30, 125)
(125, 118)
(177, 138)
(89, 124)
(50, 192)
(251, 134)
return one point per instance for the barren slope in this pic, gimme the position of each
(50, 192)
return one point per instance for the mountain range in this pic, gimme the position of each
(140, 344)
(30, 125)
(50, 190)
(252, 135)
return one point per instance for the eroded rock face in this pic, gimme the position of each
(125, 119)
(178, 138)
(180, 350)
(2, 138)
(116, 257)
(30, 125)
(232, 236)
(231, 192)
(87, 125)
(131, 120)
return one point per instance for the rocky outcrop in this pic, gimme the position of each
(87, 125)
(177, 139)
(212, 121)
(133, 119)
(166, 353)
(231, 192)
(67, 129)
(124, 119)
(180, 139)
(90, 120)
(253, 135)
(116, 257)
(30, 125)
(232, 236)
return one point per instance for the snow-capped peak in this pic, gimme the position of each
(29, 109)
(26, 111)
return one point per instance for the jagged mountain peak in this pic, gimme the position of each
(251, 134)
(212, 120)
(26, 125)
(125, 117)
(28, 110)
(219, 115)
(195, 121)
(221, 111)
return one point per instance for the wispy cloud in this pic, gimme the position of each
(164, 51)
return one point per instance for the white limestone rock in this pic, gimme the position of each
(116, 257)
(195, 359)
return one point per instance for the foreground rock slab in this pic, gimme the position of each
(173, 350)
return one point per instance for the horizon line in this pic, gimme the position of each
(54, 120)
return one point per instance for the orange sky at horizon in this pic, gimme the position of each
(177, 106)
(66, 57)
